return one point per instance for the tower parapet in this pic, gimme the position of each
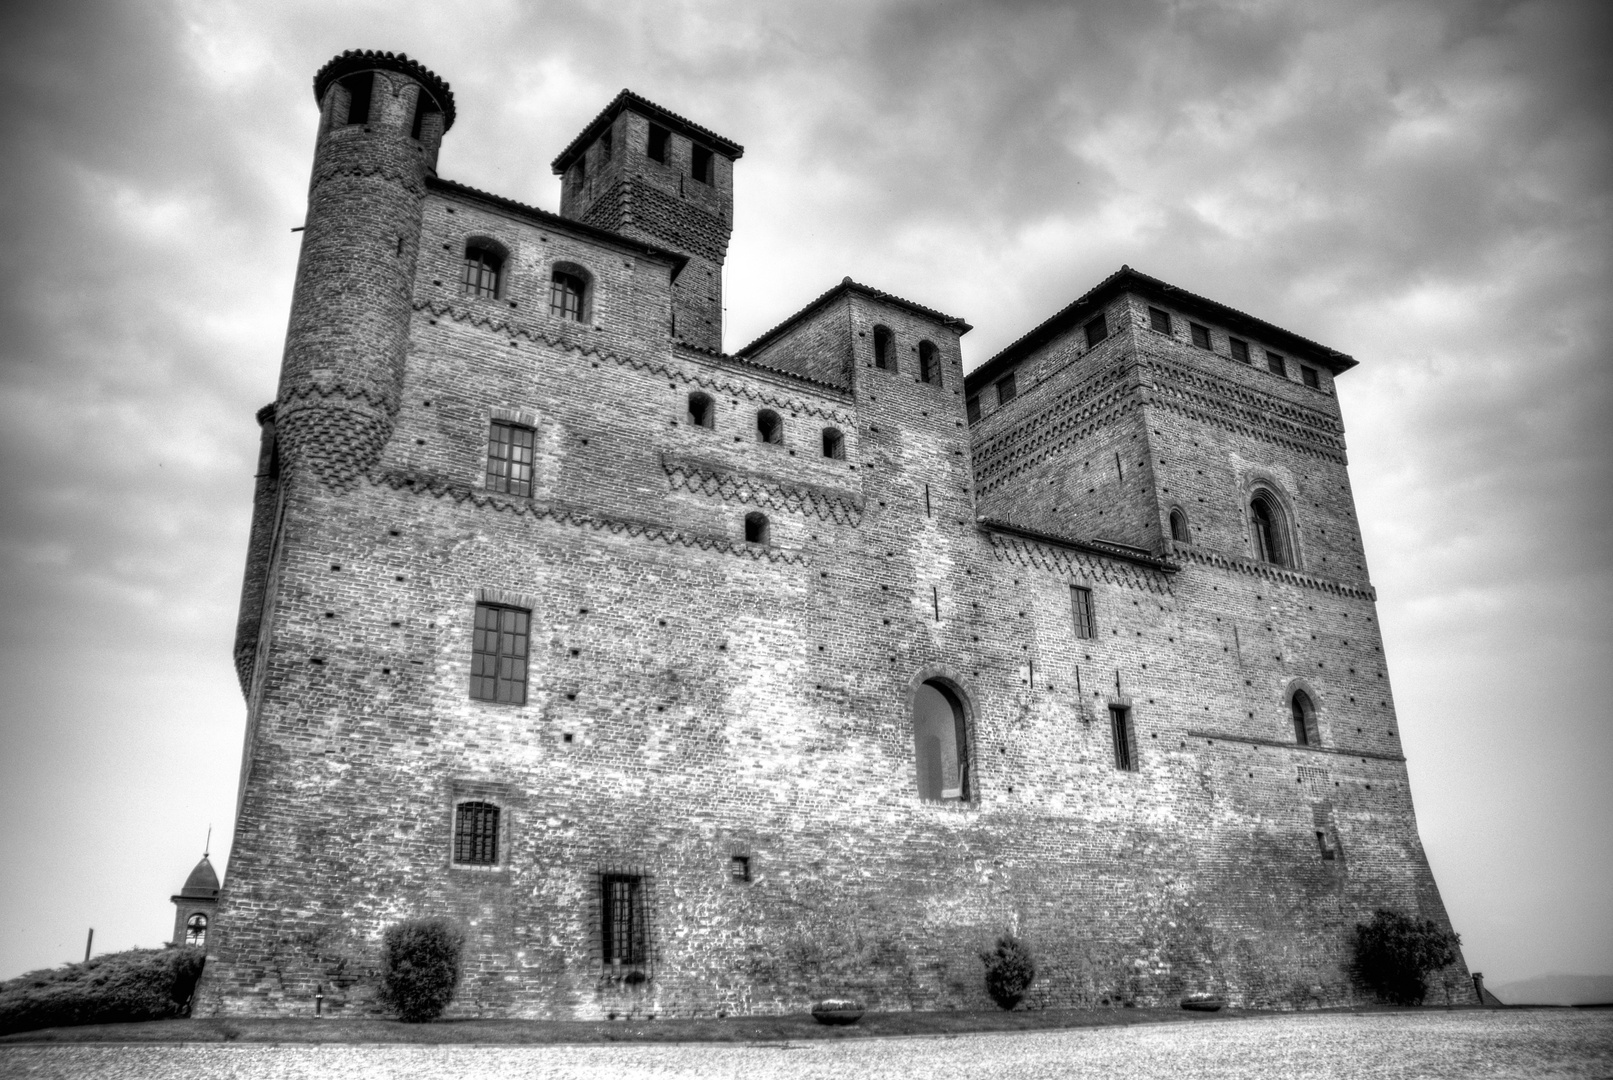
(381, 122)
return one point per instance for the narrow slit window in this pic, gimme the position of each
(702, 410)
(700, 164)
(884, 355)
(498, 655)
(929, 363)
(476, 834)
(607, 145)
(1007, 389)
(1276, 364)
(360, 88)
(509, 458)
(1081, 610)
(1120, 732)
(622, 920)
(566, 295)
(1201, 335)
(659, 138)
(1159, 320)
(580, 169)
(483, 268)
(1305, 733)
(1240, 349)
(1097, 330)
(834, 444)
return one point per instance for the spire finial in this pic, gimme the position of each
(207, 848)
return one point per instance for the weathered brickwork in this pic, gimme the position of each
(694, 698)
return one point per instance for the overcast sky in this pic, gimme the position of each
(1424, 186)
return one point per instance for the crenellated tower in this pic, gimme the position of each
(644, 172)
(381, 122)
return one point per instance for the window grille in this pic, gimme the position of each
(1201, 335)
(659, 138)
(498, 655)
(1159, 320)
(482, 268)
(622, 919)
(565, 296)
(971, 407)
(1275, 364)
(196, 930)
(509, 459)
(1007, 389)
(882, 349)
(476, 834)
(1310, 377)
(1240, 349)
(1081, 606)
(1097, 330)
(1120, 729)
(739, 867)
(929, 364)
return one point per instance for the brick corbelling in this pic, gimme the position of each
(755, 365)
(676, 223)
(1091, 400)
(409, 183)
(1313, 420)
(1276, 573)
(1049, 444)
(1254, 415)
(564, 515)
(1220, 419)
(721, 481)
(1077, 565)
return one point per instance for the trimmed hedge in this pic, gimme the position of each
(141, 984)
(1010, 970)
(1395, 954)
(420, 967)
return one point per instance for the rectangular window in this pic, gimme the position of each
(1201, 335)
(498, 655)
(1312, 379)
(972, 407)
(360, 88)
(1097, 330)
(581, 168)
(1329, 852)
(621, 923)
(1159, 320)
(1120, 729)
(1081, 608)
(1275, 364)
(509, 459)
(1240, 349)
(700, 164)
(607, 144)
(565, 296)
(739, 867)
(659, 137)
(1006, 389)
(476, 834)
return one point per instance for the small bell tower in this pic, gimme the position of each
(195, 904)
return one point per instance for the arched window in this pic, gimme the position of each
(929, 363)
(884, 353)
(1179, 526)
(756, 528)
(834, 444)
(484, 268)
(702, 410)
(1305, 731)
(196, 930)
(940, 744)
(476, 834)
(568, 293)
(769, 428)
(1269, 529)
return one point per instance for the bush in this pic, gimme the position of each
(1010, 970)
(141, 984)
(420, 968)
(1395, 954)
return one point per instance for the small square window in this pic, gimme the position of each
(1312, 379)
(1275, 364)
(1007, 390)
(1097, 330)
(1201, 335)
(1240, 349)
(1159, 320)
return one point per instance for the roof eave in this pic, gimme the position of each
(849, 286)
(666, 117)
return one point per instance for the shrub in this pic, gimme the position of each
(420, 968)
(1010, 970)
(1395, 954)
(141, 984)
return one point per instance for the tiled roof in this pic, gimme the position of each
(356, 60)
(666, 117)
(848, 285)
(1093, 546)
(1127, 279)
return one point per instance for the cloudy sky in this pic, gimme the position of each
(1422, 185)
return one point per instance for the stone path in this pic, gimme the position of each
(1532, 1044)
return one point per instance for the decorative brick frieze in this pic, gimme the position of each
(1078, 567)
(1256, 568)
(724, 482)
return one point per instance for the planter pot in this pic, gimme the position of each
(837, 1011)
(1204, 1002)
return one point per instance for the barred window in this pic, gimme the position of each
(509, 458)
(929, 363)
(498, 659)
(476, 834)
(1120, 731)
(622, 919)
(1159, 320)
(1201, 335)
(196, 930)
(1081, 606)
(1097, 330)
(483, 267)
(1240, 349)
(565, 295)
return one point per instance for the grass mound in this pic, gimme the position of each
(141, 984)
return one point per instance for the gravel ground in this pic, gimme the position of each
(1467, 1045)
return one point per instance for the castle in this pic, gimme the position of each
(694, 683)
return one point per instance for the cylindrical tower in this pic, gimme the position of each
(381, 121)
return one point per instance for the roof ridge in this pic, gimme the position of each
(846, 285)
(590, 130)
